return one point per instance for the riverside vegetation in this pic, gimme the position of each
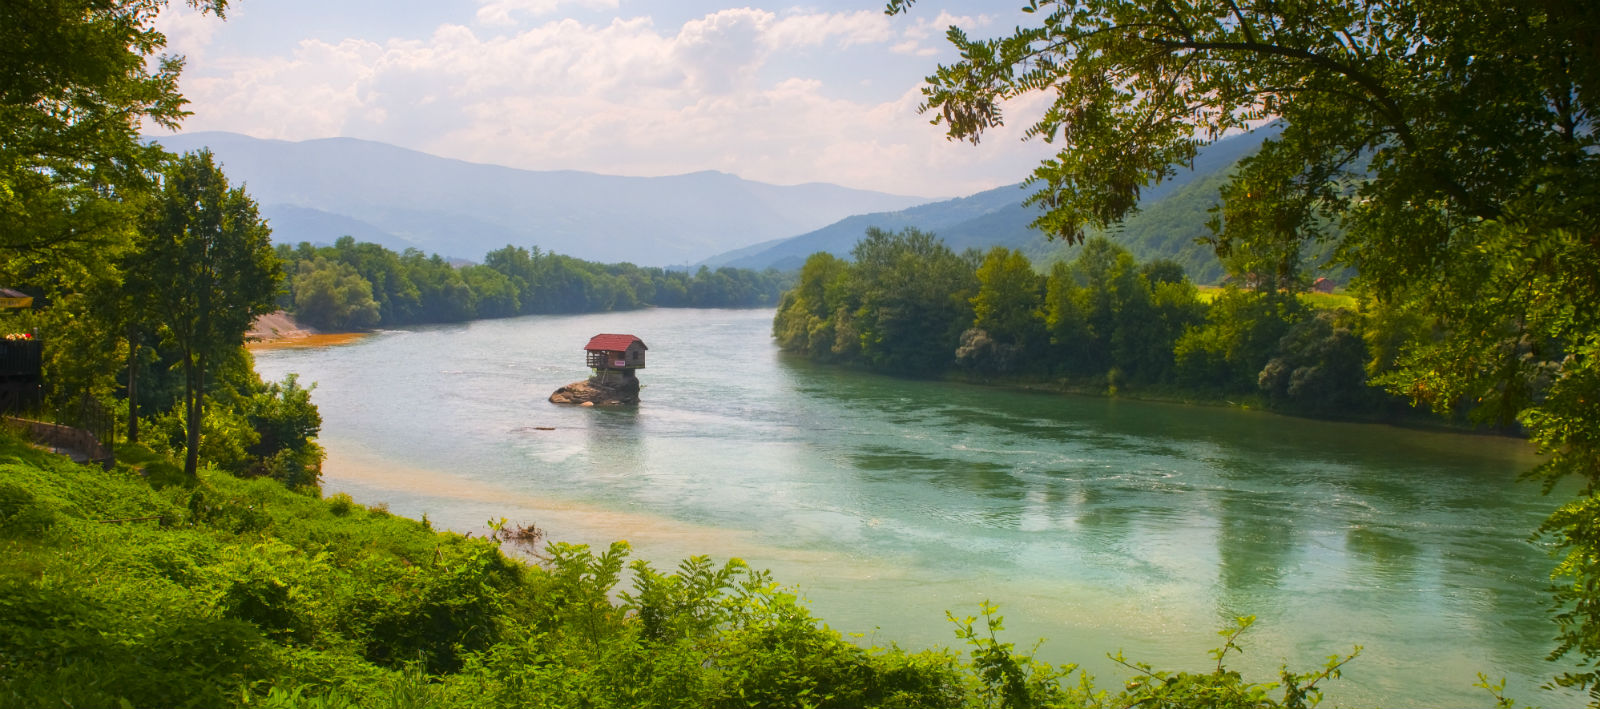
(357, 286)
(907, 304)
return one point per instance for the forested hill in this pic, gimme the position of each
(1172, 215)
(319, 190)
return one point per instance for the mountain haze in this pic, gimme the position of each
(1171, 216)
(319, 190)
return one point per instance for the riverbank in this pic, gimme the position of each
(280, 330)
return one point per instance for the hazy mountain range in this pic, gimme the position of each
(1172, 216)
(319, 190)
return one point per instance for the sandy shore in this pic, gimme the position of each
(279, 329)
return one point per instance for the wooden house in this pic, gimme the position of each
(614, 357)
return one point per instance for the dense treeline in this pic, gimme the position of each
(907, 304)
(357, 285)
(138, 587)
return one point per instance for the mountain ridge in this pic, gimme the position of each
(1171, 215)
(316, 190)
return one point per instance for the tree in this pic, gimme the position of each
(1064, 319)
(1452, 142)
(1008, 299)
(81, 78)
(494, 294)
(398, 299)
(1319, 368)
(207, 240)
(330, 295)
(802, 322)
(915, 296)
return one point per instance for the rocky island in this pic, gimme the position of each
(591, 392)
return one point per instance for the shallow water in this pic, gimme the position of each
(1098, 524)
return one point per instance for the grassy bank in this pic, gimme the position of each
(137, 588)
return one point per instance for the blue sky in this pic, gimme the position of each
(780, 92)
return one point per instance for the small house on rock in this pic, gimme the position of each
(614, 357)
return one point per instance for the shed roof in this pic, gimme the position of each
(612, 343)
(14, 298)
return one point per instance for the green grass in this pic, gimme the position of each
(1330, 301)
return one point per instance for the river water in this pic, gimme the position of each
(1096, 524)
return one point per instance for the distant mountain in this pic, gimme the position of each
(1171, 216)
(946, 218)
(319, 190)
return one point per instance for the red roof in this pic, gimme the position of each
(612, 343)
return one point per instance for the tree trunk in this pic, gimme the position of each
(133, 386)
(194, 376)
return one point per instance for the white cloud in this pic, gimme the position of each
(189, 32)
(845, 28)
(504, 12)
(624, 97)
(923, 30)
(913, 47)
(722, 51)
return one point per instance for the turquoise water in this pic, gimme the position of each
(1098, 524)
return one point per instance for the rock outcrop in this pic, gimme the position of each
(590, 392)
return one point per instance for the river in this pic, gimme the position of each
(1096, 524)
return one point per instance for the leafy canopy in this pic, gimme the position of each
(206, 236)
(81, 79)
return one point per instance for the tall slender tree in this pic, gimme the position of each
(209, 248)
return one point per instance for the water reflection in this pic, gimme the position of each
(616, 442)
(1389, 558)
(1256, 548)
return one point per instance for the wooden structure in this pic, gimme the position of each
(15, 299)
(614, 358)
(21, 361)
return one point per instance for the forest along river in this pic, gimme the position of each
(1097, 524)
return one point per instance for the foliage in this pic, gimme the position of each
(250, 427)
(81, 78)
(1008, 298)
(915, 296)
(1320, 367)
(1102, 322)
(1103, 319)
(331, 296)
(206, 239)
(1445, 151)
(1226, 688)
(355, 285)
(1241, 334)
(286, 424)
